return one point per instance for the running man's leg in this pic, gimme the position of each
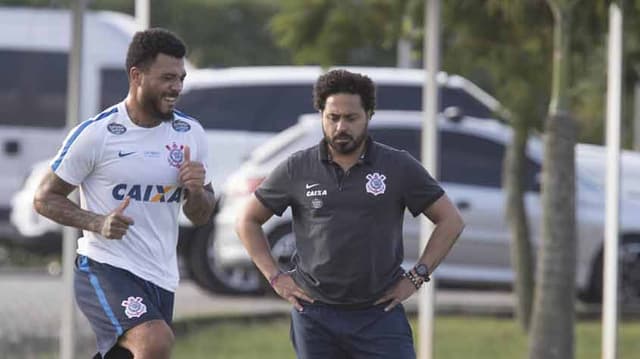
(124, 309)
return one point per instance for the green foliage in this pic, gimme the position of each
(345, 32)
(222, 33)
(503, 46)
(483, 48)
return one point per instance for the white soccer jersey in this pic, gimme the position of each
(109, 157)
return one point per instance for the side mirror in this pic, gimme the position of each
(453, 113)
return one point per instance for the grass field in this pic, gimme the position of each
(456, 337)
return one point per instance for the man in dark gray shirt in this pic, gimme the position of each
(348, 195)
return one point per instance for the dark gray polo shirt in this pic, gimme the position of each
(348, 225)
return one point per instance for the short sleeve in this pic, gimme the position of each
(76, 158)
(421, 190)
(273, 192)
(203, 156)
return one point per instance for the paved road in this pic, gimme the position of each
(30, 310)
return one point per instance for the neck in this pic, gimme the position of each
(138, 114)
(346, 161)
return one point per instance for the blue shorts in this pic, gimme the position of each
(324, 331)
(114, 300)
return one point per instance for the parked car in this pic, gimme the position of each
(470, 160)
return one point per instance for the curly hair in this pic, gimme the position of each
(343, 81)
(147, 44)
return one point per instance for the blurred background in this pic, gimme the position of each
(251, 68)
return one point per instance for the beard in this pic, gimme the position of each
(153, 104)
(345, 144)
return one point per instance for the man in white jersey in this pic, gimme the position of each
(135, 163)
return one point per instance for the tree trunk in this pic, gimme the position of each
(552, 331)
(552, 327)
(521, 255)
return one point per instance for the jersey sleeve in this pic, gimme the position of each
(421, 189)
(273, 192)
(203, 156)
(77, 157)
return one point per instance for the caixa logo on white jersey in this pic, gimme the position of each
(147, 193)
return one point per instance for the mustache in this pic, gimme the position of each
(343, 136)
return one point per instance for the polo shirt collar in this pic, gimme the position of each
(367, 156)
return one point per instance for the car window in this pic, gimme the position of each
(279, 144)
(248, 108)
(33, 90)
(463, 158)
(272, 108)
(407, 139)
(114, 85)
(409, 98)
(472, 160)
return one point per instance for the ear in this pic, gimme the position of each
(135, 75)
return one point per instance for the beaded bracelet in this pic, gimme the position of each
(414, 279)
(275, 277)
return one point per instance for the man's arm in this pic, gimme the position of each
(51, 200)
(448, 226)
(199, 205)
(200, 197)
(249, 229)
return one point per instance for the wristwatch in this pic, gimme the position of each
(422, 271)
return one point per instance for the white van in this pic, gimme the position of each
(34, 47)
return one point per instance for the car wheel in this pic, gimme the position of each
(221, 280)
(629, 277)
(630, 271)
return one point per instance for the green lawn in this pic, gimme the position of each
(456, 337)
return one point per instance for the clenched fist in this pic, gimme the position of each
(192, 173)
(116, 224)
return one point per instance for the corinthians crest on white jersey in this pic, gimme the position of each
(375, 183)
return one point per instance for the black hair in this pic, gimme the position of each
(343, 81)
(147, 44)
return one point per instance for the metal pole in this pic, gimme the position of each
(610, 275)
(69, 234)
(426, 297)
(142, 14)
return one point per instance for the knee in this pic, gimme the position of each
(158, 344)
(150, 340)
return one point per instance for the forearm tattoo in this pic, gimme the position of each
(64, 211)
(52, 201)
(200, 208)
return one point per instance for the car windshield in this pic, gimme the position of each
(279, 144)
(248, 108)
